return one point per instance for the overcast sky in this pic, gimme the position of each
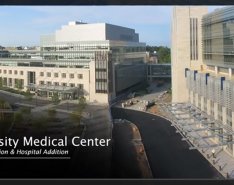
(23, 25)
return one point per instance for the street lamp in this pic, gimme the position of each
(213, 153)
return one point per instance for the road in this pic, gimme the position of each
(168, 155)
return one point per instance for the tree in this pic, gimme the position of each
(6, 119)
(55, 98)
(18, 84)
(163, 53)
(1, 82)
(82, 100)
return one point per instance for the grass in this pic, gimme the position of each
(11, 90)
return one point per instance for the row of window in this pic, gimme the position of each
(63, 75)
(193, 39)
(75, 47)
(80, 86)
(11, 82)
(11, 72)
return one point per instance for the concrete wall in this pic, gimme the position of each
(180, 49)
(95, 32)
(85, 72)
(81, 32)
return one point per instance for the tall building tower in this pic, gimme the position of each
(186, 47)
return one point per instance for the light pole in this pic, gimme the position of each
(213, 153)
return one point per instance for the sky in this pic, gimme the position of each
(23, 25)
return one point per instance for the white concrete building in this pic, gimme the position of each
(208, 81)
(186, 47)
(98, 61)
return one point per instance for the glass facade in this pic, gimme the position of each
(218, 37)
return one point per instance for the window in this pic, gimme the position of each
(48, 83)
(193, 39)
(15, 72)
(0, 71)
(21, 73)
(48, 74)
(63, 75)
(5, 71)
(56, 75)
(56, 83)
(229, 117)
(72, 85)
(64, 84)
(42, 82)
(80, 86)
(220, 112)
(212, 108)
(10, 71)
(41, 73)
(10, 82)
(80, 76)
(71, 75)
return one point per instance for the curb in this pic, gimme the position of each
(222, 173)
(150, 175)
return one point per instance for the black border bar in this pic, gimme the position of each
(115, 182)
(116, 2)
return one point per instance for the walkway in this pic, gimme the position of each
(200, 130)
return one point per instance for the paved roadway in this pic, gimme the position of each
(168, 155)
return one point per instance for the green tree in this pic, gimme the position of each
(18, 84)
(6, 119)
(164, 55)
(55, 98)
(1, 82)
(151, 49)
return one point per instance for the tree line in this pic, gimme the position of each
(163, 53)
